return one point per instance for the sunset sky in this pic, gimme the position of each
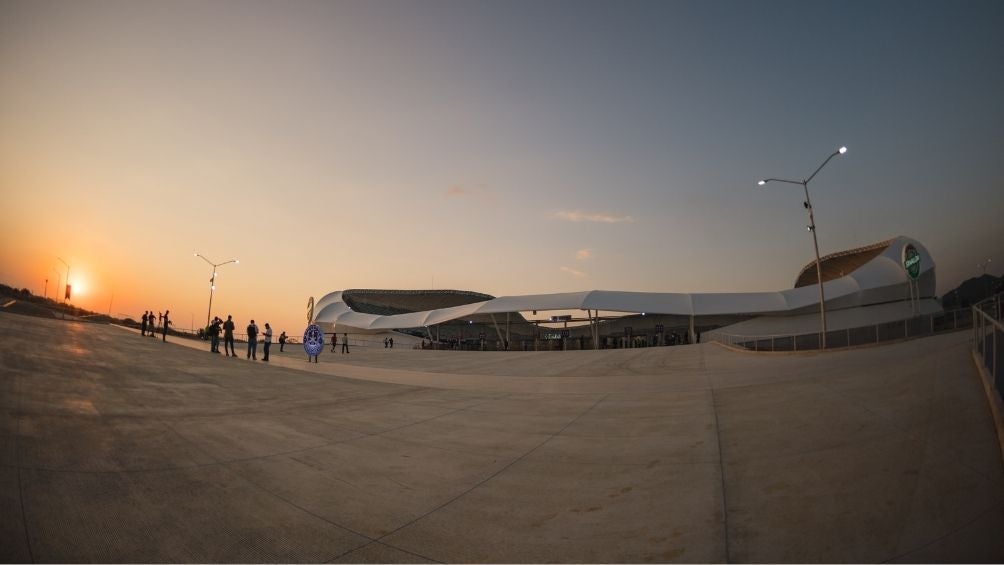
(505, 147)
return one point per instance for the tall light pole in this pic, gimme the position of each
(812, 228)
(59, 280)
(212, 281)
(67, 275)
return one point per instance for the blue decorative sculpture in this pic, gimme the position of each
(313, 340)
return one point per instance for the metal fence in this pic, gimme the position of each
(988, 340)
(918, 326)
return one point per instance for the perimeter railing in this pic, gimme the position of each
(988, 340)
(917, 326)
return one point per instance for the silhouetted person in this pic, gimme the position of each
(253, 341)
(146, 319)
(392, 343)
(228, 336)
(334, 341)
(345, 343)
(385, 343)
(214, 335)
(165, 321)
(282, 340)
(268, 340)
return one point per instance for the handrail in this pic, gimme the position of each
(916, 326)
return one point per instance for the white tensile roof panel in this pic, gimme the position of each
(873, 279)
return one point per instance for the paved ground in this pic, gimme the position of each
(115, 447)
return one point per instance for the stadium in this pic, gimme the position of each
(882, 283)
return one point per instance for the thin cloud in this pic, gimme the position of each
(597, 217)
(584, 254)
(574, 272)
(476, 193)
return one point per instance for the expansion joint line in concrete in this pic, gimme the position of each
(486, 479)
(903, 556)
(17, 462)
(914, 437)
(305, 510)
(721, 470)
(225, 465)
(909, 432)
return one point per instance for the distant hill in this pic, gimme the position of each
(972, 291)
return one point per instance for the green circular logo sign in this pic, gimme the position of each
(911, 262)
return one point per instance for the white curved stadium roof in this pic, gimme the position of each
(882, 279)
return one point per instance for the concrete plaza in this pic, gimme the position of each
(120, 448)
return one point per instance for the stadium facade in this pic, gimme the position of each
(886, 281)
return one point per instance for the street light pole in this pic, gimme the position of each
(815, 241)
(212, 281)
(59, 280)
(67, 275)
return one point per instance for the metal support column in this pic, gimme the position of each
(507, 334)
(497, 330)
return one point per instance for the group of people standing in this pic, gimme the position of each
(150, 323)
(228, 327)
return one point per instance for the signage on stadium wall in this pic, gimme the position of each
(911, 262)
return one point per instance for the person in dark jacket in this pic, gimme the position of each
(253, 341)
(228, 336)
(166, 322)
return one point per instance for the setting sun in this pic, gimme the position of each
(78, 287)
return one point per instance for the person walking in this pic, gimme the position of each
(253, 341)
(146, 318)
(228, 336)
(345, 343)
(282, 340)
(165, 322)
(334, 341)
(268, 340)
(391, 340)
(385, 343)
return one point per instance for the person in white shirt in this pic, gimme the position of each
(268, 340)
